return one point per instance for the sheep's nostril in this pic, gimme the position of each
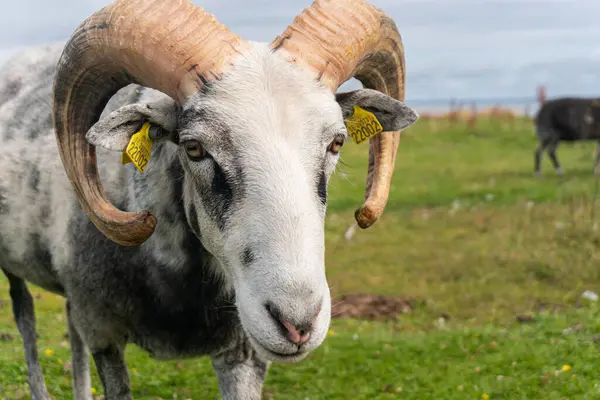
(297, 334)
(270, 310)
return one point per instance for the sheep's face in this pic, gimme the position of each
(591, 119)
(258, 148)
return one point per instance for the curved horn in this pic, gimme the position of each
(341, 39)
(168, 45)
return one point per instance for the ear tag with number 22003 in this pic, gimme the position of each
(139, 148)
(362, 125)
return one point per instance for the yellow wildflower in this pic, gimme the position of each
(485, 396)
(49, 352)
(566, 367)
(331, 332)
(93, 390)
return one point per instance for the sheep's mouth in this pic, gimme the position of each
(286, 358)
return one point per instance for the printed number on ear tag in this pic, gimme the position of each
(362, 125)
(139, 149)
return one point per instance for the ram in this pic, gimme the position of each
(217, 248)
(569, 120)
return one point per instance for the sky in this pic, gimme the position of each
(463, 49)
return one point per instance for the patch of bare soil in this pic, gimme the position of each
(369, 307)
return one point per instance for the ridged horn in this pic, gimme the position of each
(340, 39)
(168, 45)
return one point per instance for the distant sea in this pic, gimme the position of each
(519, 105)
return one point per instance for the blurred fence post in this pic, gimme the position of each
(541, 94)
(472, 121)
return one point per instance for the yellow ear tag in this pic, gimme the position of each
(139, 148)
(362, 125)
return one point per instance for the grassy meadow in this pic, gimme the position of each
(492, 260)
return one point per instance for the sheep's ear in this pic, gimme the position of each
(393, 115)
(114, 131)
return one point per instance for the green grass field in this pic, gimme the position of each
(468, 233)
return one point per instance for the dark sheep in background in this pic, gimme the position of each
(567, 120)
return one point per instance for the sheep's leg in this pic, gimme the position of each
(110, 363)
(538, 156)
(552, 153)
(24, 313)
(240, 373)
(597, 163)
(82, 383)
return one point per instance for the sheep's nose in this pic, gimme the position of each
(297, 333)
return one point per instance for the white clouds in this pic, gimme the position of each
(454, 48)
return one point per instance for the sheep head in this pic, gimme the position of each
(257, 130)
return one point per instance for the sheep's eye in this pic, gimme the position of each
(336, 145)
(194, 150)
